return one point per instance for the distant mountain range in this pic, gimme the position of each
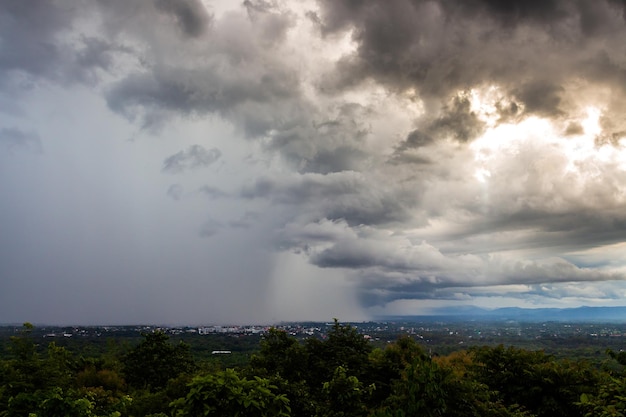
(471, 313)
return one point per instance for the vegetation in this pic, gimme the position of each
(341, 375)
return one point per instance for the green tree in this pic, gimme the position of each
(385, 366)
(155, 361)
(344, 347)
(225, 393)
(282, 355)
(430, 389)
(424, 390)
(344, 396)
(610, 398)
(284, 362)
(28, 379)
(534, 380)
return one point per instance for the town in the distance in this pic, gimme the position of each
(584, 331)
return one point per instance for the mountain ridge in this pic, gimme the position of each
(474, 313)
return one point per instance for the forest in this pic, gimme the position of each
(340, 375)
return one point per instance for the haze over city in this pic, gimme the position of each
(206, 161)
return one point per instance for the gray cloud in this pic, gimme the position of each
(271, 21)
(28, 32)
(495, 278)
(16, 140)
(229, 70)
(212, 192)
(249, 219)
(415, 139)
(345, 196)
(194, 157)
(541, 98)
(190, 15)
(40, 45)
(456, 121)
(210, 228)
(175, 191)
(423, 149)
(439, 48)
(516, 12)
(333, 144)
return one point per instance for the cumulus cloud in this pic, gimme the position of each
(531, 49)
(190, 15)
(194, 157)
(347, 196)
(41, 44)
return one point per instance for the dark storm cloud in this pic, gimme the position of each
(574, 128)
(18, 140)
(28, 31)
(364, 252)
(230, 68)
(415, 139)
(333, 144)
(39, 44)
(512, 12)
(190, 15)
(194, 157)
(341, 158)
(456, 121)
(345, 196)
(428, 223)
(194, 90)
(440, 47)
(540, 98)
(572, 230)
(235, 93)
(188, 18)
(93, 55)
(493, 278)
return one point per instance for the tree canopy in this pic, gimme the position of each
(340, 375)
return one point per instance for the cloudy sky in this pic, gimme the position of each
(198, 161)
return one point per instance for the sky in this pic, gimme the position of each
(198, 161)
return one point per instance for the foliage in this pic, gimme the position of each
(281, 355)
(310, 373)
(610, 398)
(344, 396)
(154, 361)
(344, 347)
(225, 393)
(341, 375)
(385, 367)
(533, 380)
